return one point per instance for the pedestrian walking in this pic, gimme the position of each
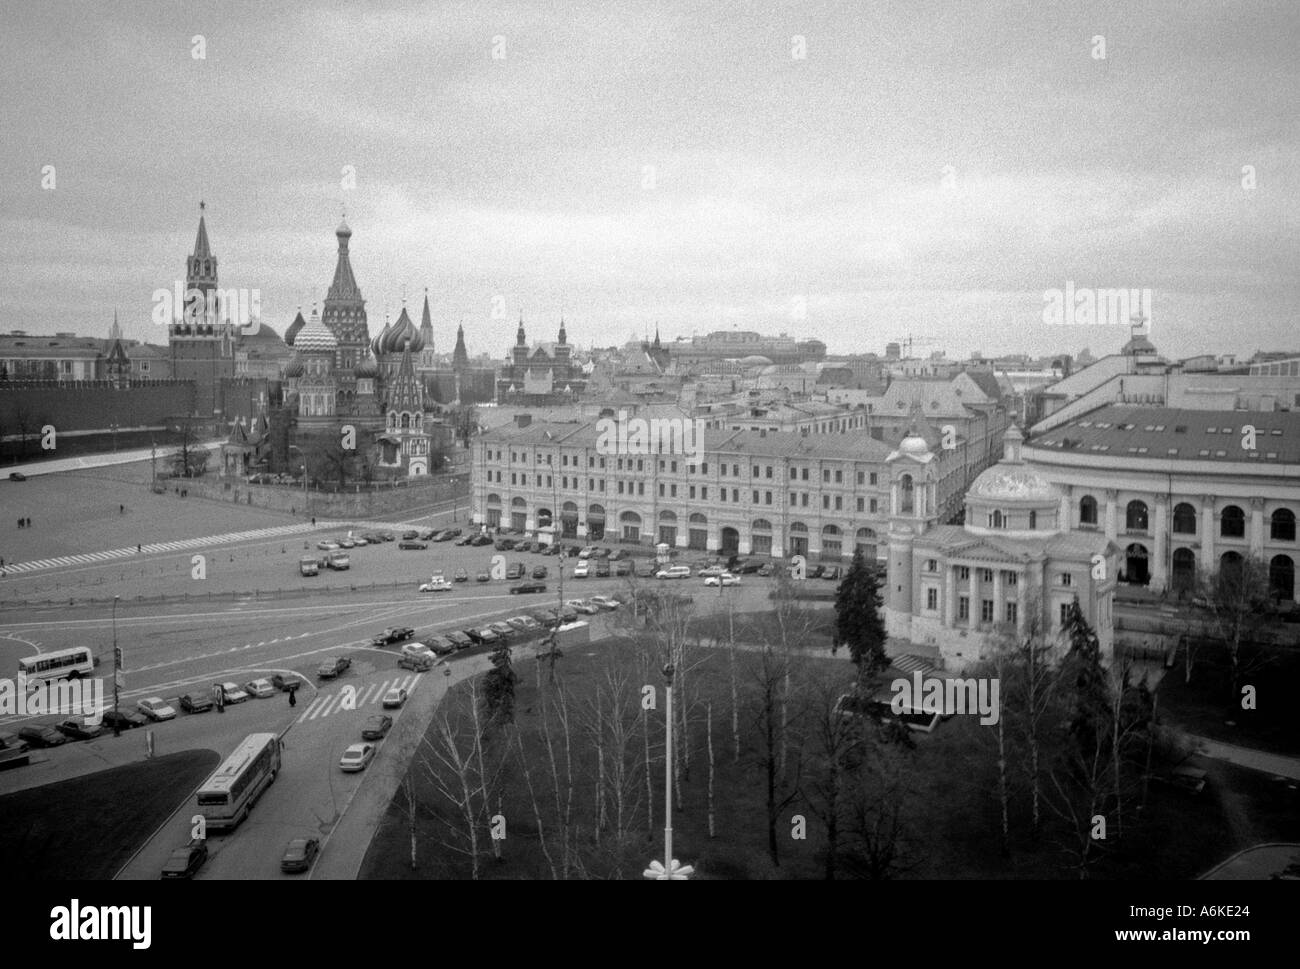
(29, 522)
(293, 698)
(20, 523)
(121, 509)
(221, 698)
(313, 521)
(137, 547)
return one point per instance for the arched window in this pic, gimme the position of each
(1232, 523)
(1184, 519)
(1087, 510)
(1135, 516)
(905, 494)
(1283, 525)
(761, 525)
(698, 519)
(1281, 577)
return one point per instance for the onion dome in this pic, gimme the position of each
(294, 328)
(1013, 482)
(294, 368)
(367, 368)
(343, 232)
(315, 337)
(402, 334)
(913, 444)
(377, 344)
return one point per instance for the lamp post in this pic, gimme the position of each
(117, 663)
(668, 869)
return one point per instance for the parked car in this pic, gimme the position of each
(524, 547)
(585, 552)
(832, 573)
(725, 578)
(459, 639)
(461, 576)
(483, 577)
(440, 645)
(185, 862)
(333, 667)
(582, 606)
(464, 540)
(420, 662)
(523, 624)
(259, 688)
(387, 536)
(411, 545)
(299, 855)
(646, 570)
(540, 572)
(602, 553)
(524, 588)
(552, 550)
(436, 584)
(814, 571)
(449, 534)
(325, 545)
(483, 635)
(357, 757)
(285, 683)
(197, 702)
(765, 569)
(36, 735)
(745, 567)
(156, 709)
(602, 568)
(710, 571)
(623, 568)
(604, 602)
(581, 570)
(376, 726)
(392, 634)
(480, 540)
(124, 720)
(346, 543)
(233, 692)
(515, 570)
(502, 629)
(75, 729)
(505, 544)
(17, 476)
(410, 535)
(425, 534)
(567, 613)
(394, 698)
(674, 572)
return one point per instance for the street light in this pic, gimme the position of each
(669, 869)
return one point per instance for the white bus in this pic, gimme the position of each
(71, 664)
(228, 795)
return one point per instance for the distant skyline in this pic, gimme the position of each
(927, 169)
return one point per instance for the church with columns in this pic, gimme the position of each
(1015, 563)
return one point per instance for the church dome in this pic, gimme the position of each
(376, 345)
(294, 367)
(294, 328)
(343, 232)
(755, 361)
(402, 334)
(263, 334)
(315, 337)
(1013, 482)
(368, 368)
(913, 444)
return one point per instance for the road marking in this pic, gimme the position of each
(366, 699)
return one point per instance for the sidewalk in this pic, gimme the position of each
(1260, 760)
(98, 460)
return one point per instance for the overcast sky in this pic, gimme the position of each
(640, 163)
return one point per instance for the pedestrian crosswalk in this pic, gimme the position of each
(181, 545)
(910, 663)
(354, 698)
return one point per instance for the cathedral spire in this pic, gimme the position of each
(426, 321)
(520, 339)
(344, 286)
(201, 248)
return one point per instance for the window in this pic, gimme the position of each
(986, 610)
(932, 599)
(1065, 613)
(704, 493)
(1011, 612)
(805, 500)
(1232, 523)
(986, 575)
(1088, 510)
(932, 565)
(873, 477)
(873, 505)
(826, 502)
(1033, 520)
(861, 504)
(1283, 525)
(1135, 516)
(767, 497)
(839, 477)
(755, 499)
(861, 476)
(805, 475)
(723, 470)
(1067, 578)
(1013, 578)
(963, 572)
(1184, 519)
(963, 607)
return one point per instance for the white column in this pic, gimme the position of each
(1063, 516)
(973, 608)
(950, 595)
(1159, 572)
(999, 613)
(1257, 527)
(1112, 497)
(1207, 534)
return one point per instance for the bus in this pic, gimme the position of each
(71, 664)
(228, 795)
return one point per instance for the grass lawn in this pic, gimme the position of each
(1204, 707)
(87, 827)
(947, 797)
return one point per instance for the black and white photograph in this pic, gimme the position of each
(650, 441)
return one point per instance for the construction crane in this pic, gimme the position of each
(905, 344)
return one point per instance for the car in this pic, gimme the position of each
(674, 572)
(197, 702)
(585, 551)
(425, 534)
(481, 540)
(522, 624)
(410, 545)
(605, 602)
(410, 535)
(376, 726)
(765, 569)
(325, 545)
(832, 573)
(440, 645)
(156, 709)
(285, 683)
(515, 570)
(482, 635)
(123, 720)
(602, 553)
(459, 639)
(331, 668)
(540, 572)
(420, 662)
(710, 571)
(567, 613)
(646, 570)
(726, 578)
(814, 571)
(36, 735)
(359, 541)
(436, 584)
(602, 568)
(524, 547)
(75, 729)
(346, 543)
(299, 855)
(464, 540)
(582, 606)
(552, 550)
(461, 576)
(525, 588)
(233, 692)
(185, 862)
(259, 688)
(623, 568)
(502, 629)
(483, 577)
(17, 476)
(392, 634)
(387, 536)
(745, 567)
(451, 533)
(357, 757)
(505, 544)
(581, 570)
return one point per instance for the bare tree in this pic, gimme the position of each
(835, 739)
(1235, 600)
(1034, 682)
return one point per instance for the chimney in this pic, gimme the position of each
(523, 420)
